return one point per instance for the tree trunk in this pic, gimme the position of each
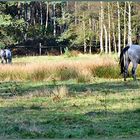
(63, 18)
(25, 9)
(106, 41)
(90, 38)
(101, 28)
(129, 24)
(109, 40)
(124, 35)
(41, 14)
(19, 12)
(113, 33)
(84, 31)
(47, 14)
(29, 14)
(54, 20)
(33, 13)
(119, 35)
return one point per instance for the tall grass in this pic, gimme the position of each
(81, 70)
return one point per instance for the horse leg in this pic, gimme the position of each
(134, 70)
(6, 60)
(2, 60)
(9, 60)
(126, 70)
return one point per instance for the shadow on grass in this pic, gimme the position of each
(9, 89)
(23, 122)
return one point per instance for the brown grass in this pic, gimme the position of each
(81, 70)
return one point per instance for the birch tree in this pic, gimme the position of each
(129, 24)
(47, 14)
(109, 26)
(54, 19)
(84, 32)
(101, 27)
(119, 30)
(41, 16)
(90, 38)
(124, 34)
(106, 41)
(113, 30)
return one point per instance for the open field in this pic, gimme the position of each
(91, 107)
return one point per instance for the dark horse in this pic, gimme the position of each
(6, 56)
(130, 54)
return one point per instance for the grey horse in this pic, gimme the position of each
(6, 56)
(129, 54)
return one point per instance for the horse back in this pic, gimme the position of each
(134, 53)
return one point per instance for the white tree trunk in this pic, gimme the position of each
(62, 27)
(109, 26)
(106, 41)
(84, 31)
(41, 16)
(101, 27)
(113, 32)
(54, 21)
(28, 13)
(47, 14)
(90, 38)
(19, 9)
(124, 34)
(119, 34)
(129, 24)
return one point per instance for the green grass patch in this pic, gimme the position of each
(103, 108)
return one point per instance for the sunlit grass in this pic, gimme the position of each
(104, 108)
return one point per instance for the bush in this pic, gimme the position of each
(107, 71)
(84, 76)
(70, 53)
(66, 73)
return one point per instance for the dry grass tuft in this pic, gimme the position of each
(60, 92)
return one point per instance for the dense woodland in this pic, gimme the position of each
(88, 27)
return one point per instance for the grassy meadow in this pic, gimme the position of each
(61, 97)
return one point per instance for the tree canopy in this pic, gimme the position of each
(80, 25)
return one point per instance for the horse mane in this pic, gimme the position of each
(122, 58)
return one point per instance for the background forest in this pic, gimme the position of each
(88, 27)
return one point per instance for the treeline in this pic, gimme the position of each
(84, 26)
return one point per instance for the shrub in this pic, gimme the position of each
(70, 53)
(60, 92)
(66, 73)
(84, 76)
(109, 71)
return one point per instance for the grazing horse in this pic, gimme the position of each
(6, 56)
(129, 54)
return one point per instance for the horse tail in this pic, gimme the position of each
(122, 59)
